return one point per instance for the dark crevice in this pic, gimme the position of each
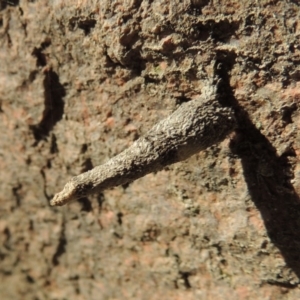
(41, 58)
(218, 248)
(137, 3)
(61, 247)
(9, 41)
(117, 235)
(32, 75)
(53, 144)
(84, 23)
(125, 185)
(100, 200)
(87, 165)
(21, 11)
(287, 112)
(181, 99)
(196, 6)
(132, 60)
(223, 65)
(87, 25)
(84, 148)
(31, 226)
(85, 204)
(287, 285)
(48, 164)
(119, 218)
(185, 278)
(199, 3)
(126, 18)
(54, 106)
(149, 79)
(7, 236)
(17, 194)
(23, 23)
(218, 31)
(271, 191)
(29, 279)
(44, 185)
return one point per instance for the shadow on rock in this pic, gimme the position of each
(268, 180)
(54, 93)
(267, 176)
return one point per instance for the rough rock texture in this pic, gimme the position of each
(80, 81)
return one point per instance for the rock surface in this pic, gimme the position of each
(80, 81)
